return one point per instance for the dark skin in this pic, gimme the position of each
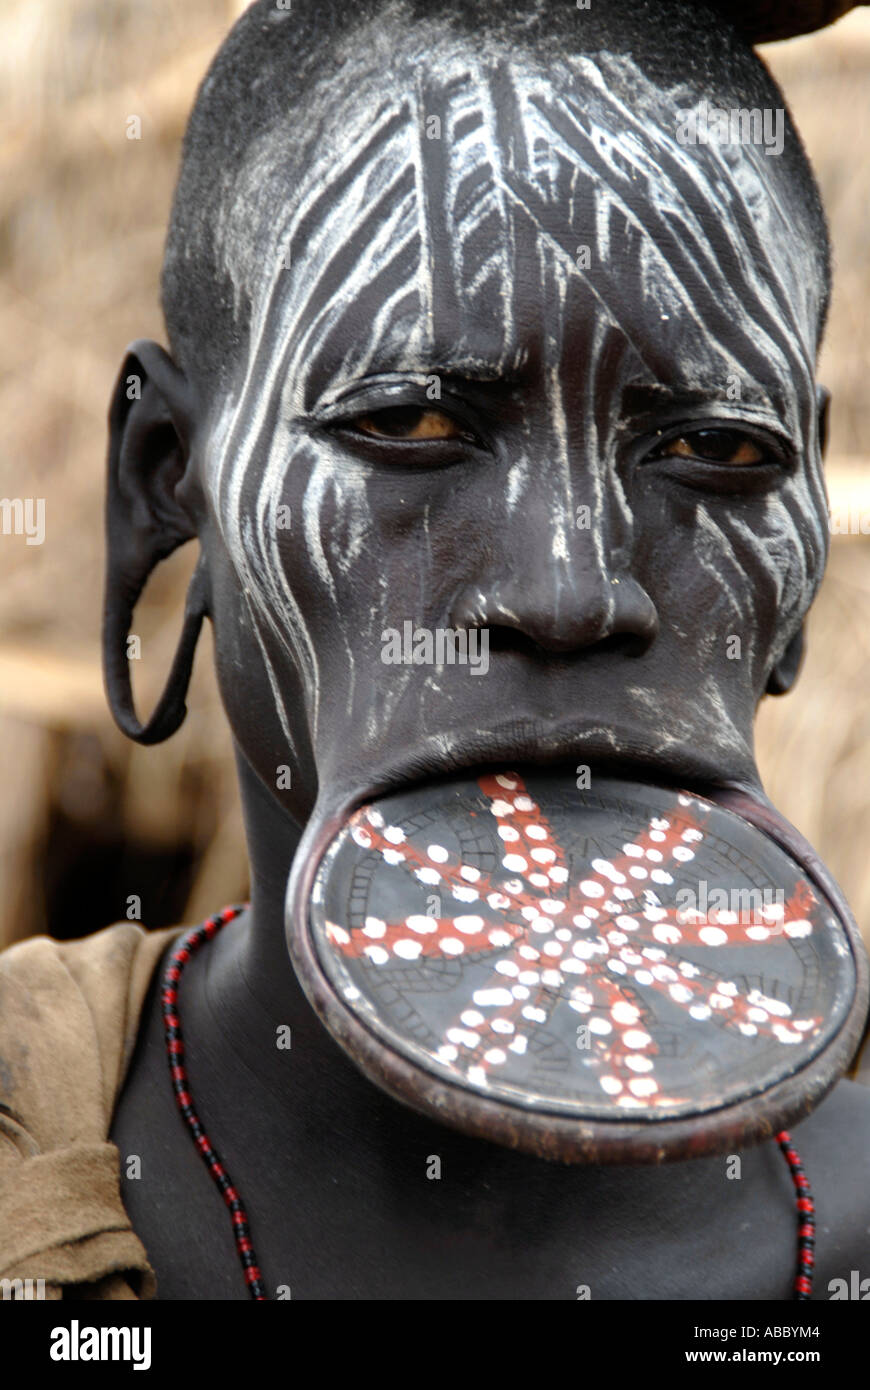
(595, 635)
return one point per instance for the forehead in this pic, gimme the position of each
(478, 214)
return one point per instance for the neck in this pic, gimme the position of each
(247, 988)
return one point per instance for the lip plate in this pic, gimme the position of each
(751, 1112)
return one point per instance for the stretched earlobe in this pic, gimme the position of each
(171, 708)
(823, 415)
(784, 673)
(150, 429)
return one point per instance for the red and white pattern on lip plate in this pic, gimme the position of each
(552, 935)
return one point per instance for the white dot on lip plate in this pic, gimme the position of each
(623, 1012)
(418, 922)
(543, 855)
(638, 1063)
(408, 950)
(515, 862)
(463, 894)
(801, 928)
(498, 900)
(642, 1086)
(469, 925)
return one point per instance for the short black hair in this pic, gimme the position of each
(273, 57)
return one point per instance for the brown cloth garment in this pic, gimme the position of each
(69, 1017)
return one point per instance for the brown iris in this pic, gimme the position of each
(728, 447)
(408, 422)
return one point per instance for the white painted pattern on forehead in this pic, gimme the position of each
(377, 193)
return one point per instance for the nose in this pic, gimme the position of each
(561, 590)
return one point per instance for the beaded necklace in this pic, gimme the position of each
(206, 931)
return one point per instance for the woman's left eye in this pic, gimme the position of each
(728, 447)
(408, 422)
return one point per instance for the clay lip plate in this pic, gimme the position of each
(530, 944)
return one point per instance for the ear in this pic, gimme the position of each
(151, 420)
(150, 511)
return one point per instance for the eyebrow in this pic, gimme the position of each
(642, 398)
(491, 363)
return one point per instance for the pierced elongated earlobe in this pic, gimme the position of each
(823, 416)
(171, 708)
(150, 430)
(784, 673)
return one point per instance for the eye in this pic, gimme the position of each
(411, 422)
(728, 447)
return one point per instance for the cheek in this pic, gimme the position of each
(718, 568)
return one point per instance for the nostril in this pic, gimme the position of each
(511, 639)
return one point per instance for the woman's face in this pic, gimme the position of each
(522, 362)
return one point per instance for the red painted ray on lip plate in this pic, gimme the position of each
(540, 901)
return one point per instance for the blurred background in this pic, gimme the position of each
(87, 818)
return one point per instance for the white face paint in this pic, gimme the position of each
(579, 287)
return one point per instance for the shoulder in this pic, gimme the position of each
(69, 1014)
